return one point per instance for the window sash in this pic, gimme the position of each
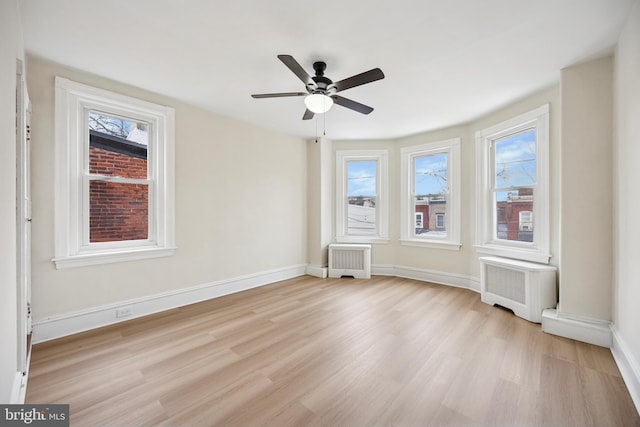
(342, 233)
(86, 244)
(444, 193)
(357, 221)
(522, 128)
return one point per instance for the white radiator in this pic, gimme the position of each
(350, 260)
(524, 287)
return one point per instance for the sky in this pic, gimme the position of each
(515, 166)
(361, 178)
(516, 160)
(124, 128)
(431, 174)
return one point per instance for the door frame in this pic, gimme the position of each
(23, 218)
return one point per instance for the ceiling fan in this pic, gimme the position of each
(321, 91)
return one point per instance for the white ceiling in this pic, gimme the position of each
(446, 61)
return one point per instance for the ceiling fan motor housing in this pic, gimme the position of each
(323, 84)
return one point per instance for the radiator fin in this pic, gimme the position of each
(506, 283)
(348, 259)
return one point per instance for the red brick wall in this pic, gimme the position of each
(437, 208)
(117, 211)
(424, 209)
(512, 216)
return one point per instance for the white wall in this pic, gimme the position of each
(10, 50)
(240, 205)
(626, 230)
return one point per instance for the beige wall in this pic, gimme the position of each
(10, 50)
(439, 260)
(586, 190)
(465, 261)
(626, 230)
(320, 201)
(240, 205)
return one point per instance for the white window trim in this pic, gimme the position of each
(486, 241)
(72, 101)
(452, 221)
(382, 204)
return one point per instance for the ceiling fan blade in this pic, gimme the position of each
(278, 95)
(360, 79)
(297, 69)
(353, 105)
(308, 115)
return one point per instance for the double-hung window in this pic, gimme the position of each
(114, 177)
(513, 187)
(430, 185)
(361, 203)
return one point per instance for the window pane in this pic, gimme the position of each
(514, 215)
(515, 158)
(118, 211)
(431, 173)
(431, 192)
(432, 210)
(421, 211)
(361, 197)
(117, 146)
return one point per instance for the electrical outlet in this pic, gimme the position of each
(123, 312)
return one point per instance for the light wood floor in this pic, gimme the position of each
(332, 352)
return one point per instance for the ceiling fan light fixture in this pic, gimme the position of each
(318, 103)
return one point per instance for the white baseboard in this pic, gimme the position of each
(442, 278)
(629, 366)
(474, 284)
(591, 331)
(383, 270)
(80, 321)
(317, 271)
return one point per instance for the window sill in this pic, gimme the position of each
(514, 253)
(361, 239)
(435, 244)
(98, 258)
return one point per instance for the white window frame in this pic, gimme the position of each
(382, 204)
(72, 248)
(451, 147)
(419, 220)
(486, 238)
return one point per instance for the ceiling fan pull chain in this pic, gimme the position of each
(324, 124)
